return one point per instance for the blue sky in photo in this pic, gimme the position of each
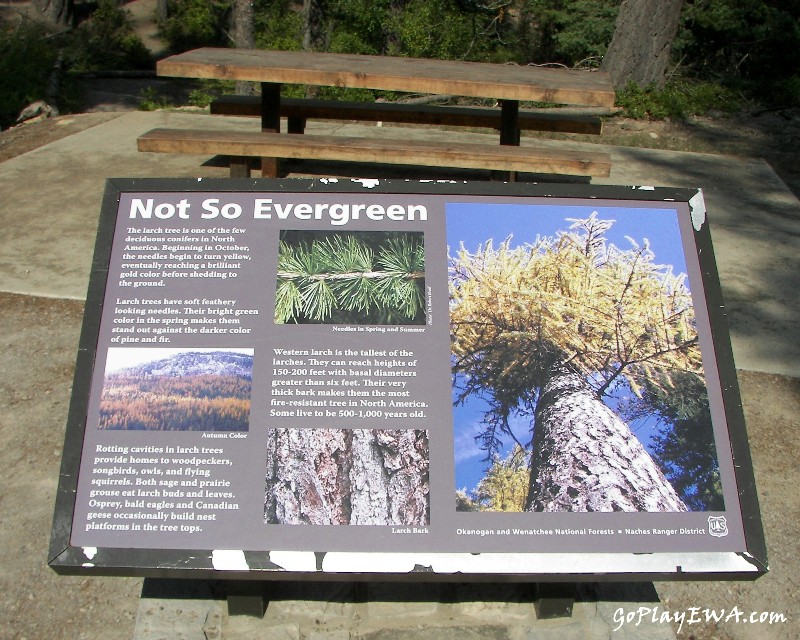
(474, 224)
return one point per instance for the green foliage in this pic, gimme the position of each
(427, 30)
(28, 53)
(359, 26)
(151, 100)
(446, 29)
(679, 99)
(277, 27)
(210, 90)
(753, 45)
(569, 31)
(107, 41)
(195, 23)
(360, 277)
(26, 61)
(349, 42)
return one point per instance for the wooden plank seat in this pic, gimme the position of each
(299, 110)
(244, 144)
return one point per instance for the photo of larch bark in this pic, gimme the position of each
(358, 277)
(177, 390)
(560, 346)
(347, 476)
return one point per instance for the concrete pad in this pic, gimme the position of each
(49, 201)
(52, 197)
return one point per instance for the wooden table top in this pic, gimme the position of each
(415, 75)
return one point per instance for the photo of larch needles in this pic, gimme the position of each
(350, 278)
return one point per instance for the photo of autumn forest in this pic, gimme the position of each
(358, 277)
(347, 477)
(578, 383)
(176, 390)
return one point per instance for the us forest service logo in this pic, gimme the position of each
(717, 526)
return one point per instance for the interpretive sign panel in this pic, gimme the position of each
(285, 378)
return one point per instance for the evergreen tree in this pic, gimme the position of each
(547, 330)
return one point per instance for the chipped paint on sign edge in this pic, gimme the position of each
(535, 563)
(697, 207)
(367, 183)
(229, 560)
(294, 560)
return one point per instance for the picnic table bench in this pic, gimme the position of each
(298, 111)
(509, 84)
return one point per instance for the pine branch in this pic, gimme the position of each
(345, 274)
(294, 275)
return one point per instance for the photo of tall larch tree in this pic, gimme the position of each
(550, 335)
(358, 277)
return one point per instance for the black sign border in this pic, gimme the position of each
(172, 563)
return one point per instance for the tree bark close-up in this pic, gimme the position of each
(340, 476)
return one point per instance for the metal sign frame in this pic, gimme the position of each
(643, 546)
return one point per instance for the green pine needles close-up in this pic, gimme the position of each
(350, 278)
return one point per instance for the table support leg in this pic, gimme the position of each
(246, 598)
(509, 129)
(509, 122)
(270, 122)
(555, 600)
(296, 125)
(239, 167)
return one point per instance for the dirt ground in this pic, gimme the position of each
(39, 344)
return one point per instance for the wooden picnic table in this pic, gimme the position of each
(508, 83)
(416, 75)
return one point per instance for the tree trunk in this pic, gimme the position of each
(338, 476)
(243, 37)
(585, 458)
(313, 25)
(642, 42)
(162, 10)
(57, 12)
(391, 37)
(313, 33)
